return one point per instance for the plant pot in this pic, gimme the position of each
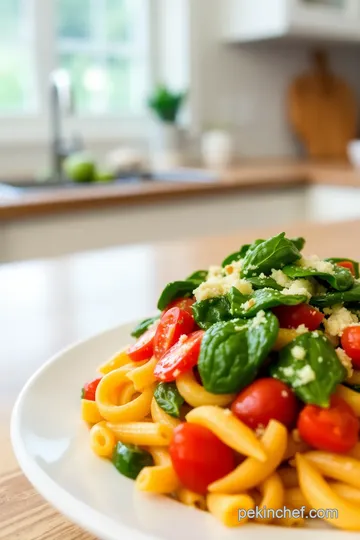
(217, 149)
(166, 146)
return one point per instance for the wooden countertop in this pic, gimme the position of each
(71, 298)
(266, 175)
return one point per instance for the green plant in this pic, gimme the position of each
(166, 104)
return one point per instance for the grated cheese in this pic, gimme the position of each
(304, 376)
(258, 319)
(300, 287)
(315, 263)
(302, 329)
(345, 360)
(298, 352)
(338, 320)
(281, 279)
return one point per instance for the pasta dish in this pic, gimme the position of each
(243, 391)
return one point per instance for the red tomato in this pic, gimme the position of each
(143, 348)
(182, 303)
(263, 400)
(89, 389)
(350, 341)
(294, 316)
(199, 457)
(180, 358)
(174, 323)
(333, 430)
(348, 265)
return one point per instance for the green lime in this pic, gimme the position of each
(80, 167)
(104, 176)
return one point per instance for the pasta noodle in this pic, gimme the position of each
(272, 492)
(90, 412)
(351, 397)
(190, 498)
(226, 508)
(196, 395)
(161, 478)
(117, 361)
(354, 378)
(338, 467)
(288, 477)
(142, 433)
(320, 495)
(102, 440)
(252, 472)
(143, 376)
(294, 498)
(160, 416)
(229, 429)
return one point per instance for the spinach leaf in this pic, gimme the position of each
(176, 289)
(232, 352)
(299, 242)
(262, 299)
(241, 253)
(130, 460)
(275, 253)
(355, 387)
(333, 298)
(341, 279)
(264, 282)
(315, 377)
(141, 328)
(168, 398)
(199, 276)
(210, 311)
(339, 259)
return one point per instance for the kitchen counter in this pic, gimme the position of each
(71, 298)
(266, 175)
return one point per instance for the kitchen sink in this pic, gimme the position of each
(16, 188)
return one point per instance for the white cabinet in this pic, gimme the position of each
(253, 20)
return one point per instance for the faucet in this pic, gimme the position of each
(61, 103)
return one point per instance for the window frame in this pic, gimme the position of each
(34, 127)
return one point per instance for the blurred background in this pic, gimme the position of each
(116, 113)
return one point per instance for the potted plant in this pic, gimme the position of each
(166, 141)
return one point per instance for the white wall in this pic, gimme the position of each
(245, 86)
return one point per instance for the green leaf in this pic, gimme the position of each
(241, 253)
(341, 259)
(333, 298)
(141, 328)
(341, 279)
(210, 311)
(320, 360)
(176, 289)
(299, 242)
(274, 253)
(355, 387)
(262, 299)
(232, 352)
(264, 283)
(199, 276)
(130, 459)
(168, 398)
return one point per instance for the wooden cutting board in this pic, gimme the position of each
(323, 110)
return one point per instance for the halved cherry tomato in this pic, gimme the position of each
(333, 430)
(348, 265)
(350, 341)
(294, 316)
(174, 323)
(89, 389)
(182, 303)
(199, 457)
(180, 358)
(143, 348)
(263, 400)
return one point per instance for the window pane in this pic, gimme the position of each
(118, 21)
(73, 19)
(9, 19)
(17, 92)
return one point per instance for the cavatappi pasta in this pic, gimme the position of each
(243, 393)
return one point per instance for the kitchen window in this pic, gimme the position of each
(103, 44)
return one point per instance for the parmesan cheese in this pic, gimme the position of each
(315, 263)
(298, 352)
(219, 283)
(300, 287)
(304, 376)
(281, 279)
(339, 319)
(258, 319)
(302, 329)
(345, 360)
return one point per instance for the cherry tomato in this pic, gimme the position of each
(294, 316)
(174, 323)
(199, 457)
(348, 265)
(182, 303)
(333, 430)
(180, 358)
(143, 348)
(89, 389)
(263, 400)
(350, 341)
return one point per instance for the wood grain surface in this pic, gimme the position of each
(274, 174)
(46, 305)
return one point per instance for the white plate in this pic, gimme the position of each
(51, 444)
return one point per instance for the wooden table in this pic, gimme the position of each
(46, 305)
